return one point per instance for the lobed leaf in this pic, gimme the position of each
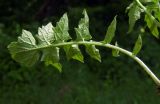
(61, 29)
(27, 51)
(137, 46)
(27, 38)
(73, 52)
(51, 57)
(46, 35)
(157, 15)
(93, 52)
(133, 14)
(111, 31)
(82, 31)
(21, 50)
(152, 26)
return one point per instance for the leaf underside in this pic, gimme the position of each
(29, 49)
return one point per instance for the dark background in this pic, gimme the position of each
(114, 81)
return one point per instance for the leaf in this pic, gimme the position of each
(27, 52)
(27, 38)
(137, 46)
(61, 29)
(58, 66)
(51, 57)
(21, 50)
(73, 52)
(152, 26)
(134, 15)
(82, 31)
(151, 6)
(111, 31)
(21, 54)
(157, 15)
(115, 52)
(49, 34)
(93, 52)
(46, 35)
(155, 1)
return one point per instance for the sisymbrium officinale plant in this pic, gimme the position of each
(45, 46)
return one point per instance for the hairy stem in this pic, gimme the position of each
(139, 61)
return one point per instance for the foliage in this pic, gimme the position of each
(136, 8)
(50, 39)
(114, 80)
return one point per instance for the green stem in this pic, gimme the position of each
(139, 61)
(147, 12)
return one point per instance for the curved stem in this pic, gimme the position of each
(147, 12)
(139, 61)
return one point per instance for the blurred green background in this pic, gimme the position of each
(114, 81)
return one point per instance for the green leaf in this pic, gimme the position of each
(51, 57)
(93, 52)
(45, 35)
(155, 1)
(111, 31)
(27, 52)
(134, 15)
(152, 26)
(157, 15)
(137, 46)
(73, 52)
(115, 52)
(152, 6)
(82, 31)
(27, 38)
(61, 29)
(21, 50)
(58, 66)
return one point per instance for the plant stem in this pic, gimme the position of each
(147, 12)
(139, 61)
